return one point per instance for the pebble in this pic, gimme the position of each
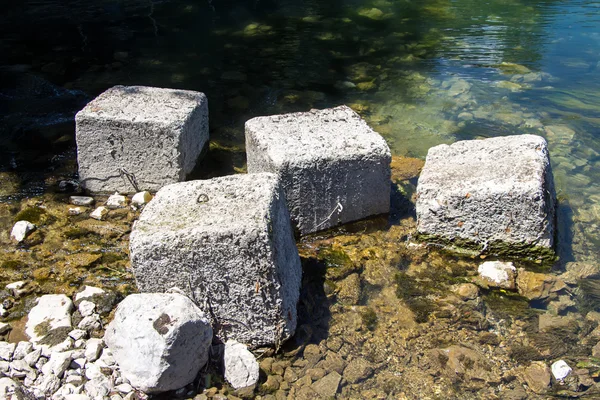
(560, 370)
(4, 328)
(20, 230)
(116, 201)
(88, 292)
(86, 308)
(141, 198)
(93, 348)
(99, 213)
(81, 200)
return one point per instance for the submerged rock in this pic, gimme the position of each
(536, 286)
(537, 376)
(498, 274)
(20, 230)
(160, 341)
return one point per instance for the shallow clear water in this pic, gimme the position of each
(421, 73)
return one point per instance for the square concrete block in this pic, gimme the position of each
(495, 194)
(228, 243)
(140, 136)
(333, 167)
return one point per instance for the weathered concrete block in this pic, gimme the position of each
(334, 168)
(228, 243)
(495, 194)
(140, 136)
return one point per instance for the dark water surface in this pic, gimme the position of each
(420, 72)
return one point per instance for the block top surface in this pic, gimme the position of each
(496, 164)
(318, 134)
(230, 203)
(143, 104)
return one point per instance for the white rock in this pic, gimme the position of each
(77, 397)
(160, 341)
(7, 386)
(4, 367)
(52, 310)
(3, 312)
(77, 334)
(92, 371)
(90, 323)
(86, 308)
(241, 367)
(88, 293)
(76, 380)
(116, 201)
(560, 370)
(7, 350)
(64, 390)
(78, 363)
(124, 388)
(23, 348)
(498, 274)
(65, 345)
(20, 369)
(99, 213)
(99, 387)
(21, 229)
(141, 198)
(4, 328)
(17, 288)
(116, 397)
(59, 362)
(74, 211)
(93, 348)
(49, 384)
(81, 200)
(79, 344)
(33, 357)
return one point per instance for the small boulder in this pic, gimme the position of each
(52, 311)
(537, 286)
(140, 198)
(160, 341)
(20, 230)
(497, 274)
(81, 200)
(99, 213)
(116, 201)
(537, 377)
(241, 367)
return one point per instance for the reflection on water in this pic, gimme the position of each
(420, 72)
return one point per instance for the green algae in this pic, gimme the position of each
(543, 256)
(369, 318)
(35, 215)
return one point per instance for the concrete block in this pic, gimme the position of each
(226, 242)
(492, 195)
(333, 167)
(133, 138)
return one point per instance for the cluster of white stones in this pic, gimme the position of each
(78, 367)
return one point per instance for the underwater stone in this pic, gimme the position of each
(498, 274)
(160, 341)
(495, 193)
(20, 230)
(227, 243)
(99, 213)
(334, 168)
(133, 138)
(116, 201)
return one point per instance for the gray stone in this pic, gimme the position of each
(48, 384)
(23, 348)
(328, 385)
(7, 386)
(160, 341)
(52, 311)
(227, 243)
(334, 168)
(492, 192)
(147, 136)
(241, 367)
(90, 323)
(88, 293)
(86, 308)
(81, 200)
(33, 357)
(7, 350)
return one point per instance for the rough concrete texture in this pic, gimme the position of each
(154, 135)
(227, 242)
(160, 341)
(334, 168)
(497, 190)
